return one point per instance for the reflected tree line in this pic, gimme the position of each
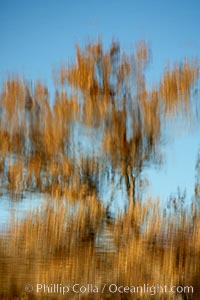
(105, 92)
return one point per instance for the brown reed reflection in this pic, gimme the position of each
(54, 245)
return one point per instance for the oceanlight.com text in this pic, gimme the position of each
(112, 288)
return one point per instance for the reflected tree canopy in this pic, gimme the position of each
(105, 92)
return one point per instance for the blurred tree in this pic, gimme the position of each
(115, 99)
(109, 98)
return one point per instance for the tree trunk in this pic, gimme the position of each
(130, 186)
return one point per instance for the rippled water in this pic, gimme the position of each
(17, 208)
